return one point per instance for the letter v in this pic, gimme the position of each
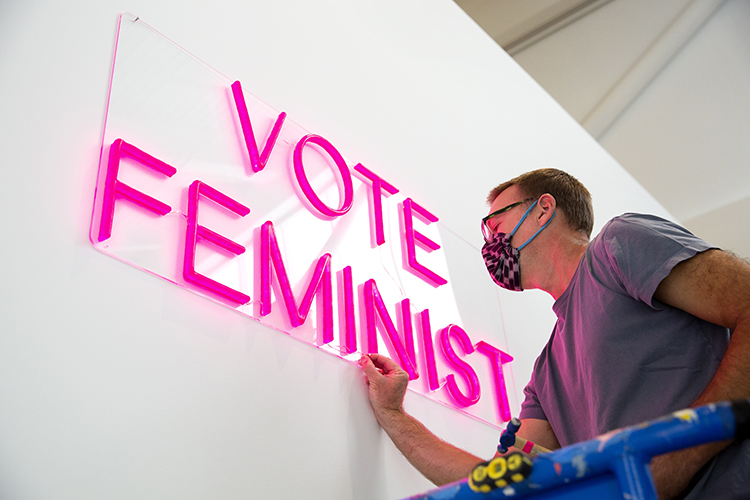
(257, 162)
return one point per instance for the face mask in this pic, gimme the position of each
(502, 260)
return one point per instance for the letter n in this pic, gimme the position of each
(374, 308)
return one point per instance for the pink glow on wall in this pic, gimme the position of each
(257, 161)
(429, 351)
(115, 189)
(378, 186)
(343, 169)
(497, 359)
(461, 366)
(320, 284)
(412, 237)
(309, 219)
(196, 233)
(374, 309)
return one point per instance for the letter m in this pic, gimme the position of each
(320, 285)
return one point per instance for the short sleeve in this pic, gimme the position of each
(643, 249)
(531, 407)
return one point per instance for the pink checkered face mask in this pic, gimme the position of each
(502, 260)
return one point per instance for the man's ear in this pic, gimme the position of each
(547, 205)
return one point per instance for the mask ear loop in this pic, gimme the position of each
(525, 214)
(539, 231)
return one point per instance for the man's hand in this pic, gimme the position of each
(387, 384)
(437, 460)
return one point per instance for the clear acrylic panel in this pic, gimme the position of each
(172, 120)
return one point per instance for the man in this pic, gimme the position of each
(645, 312)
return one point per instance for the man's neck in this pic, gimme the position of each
(565, 258)
(568, 268)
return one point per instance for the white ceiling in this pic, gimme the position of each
(662, 85)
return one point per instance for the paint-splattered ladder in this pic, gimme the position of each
(614, 465)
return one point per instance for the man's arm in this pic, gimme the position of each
(713, 286)
(438, 461)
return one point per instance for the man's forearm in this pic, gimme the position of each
(732, 379)
(715, 287)
(673, 472)
(438, 461)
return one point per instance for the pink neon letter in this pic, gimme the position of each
(346, 176)
(429, 351)
(197, 233)
(114, 189)
(374, 305)
(321, 278)
(258, 162)
(349, 342)
(467, 371)
(497, 359)
(412, 237)
(408, 331)
(378, 185)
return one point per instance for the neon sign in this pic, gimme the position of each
(213, 190)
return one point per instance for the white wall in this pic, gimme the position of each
(691, 126)
(663, 85)
(115, 384)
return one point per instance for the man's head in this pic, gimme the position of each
(572, 198)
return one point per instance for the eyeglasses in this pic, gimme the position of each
(487, 231)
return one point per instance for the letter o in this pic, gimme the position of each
(346, 176)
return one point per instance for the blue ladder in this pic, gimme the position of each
(614, 465)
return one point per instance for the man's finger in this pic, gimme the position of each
(384, 362)
(371, 371)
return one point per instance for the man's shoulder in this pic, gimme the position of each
(632, 227)
(643, 248)
(632, 239)
(631, 221)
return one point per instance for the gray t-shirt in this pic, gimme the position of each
(617, 356)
